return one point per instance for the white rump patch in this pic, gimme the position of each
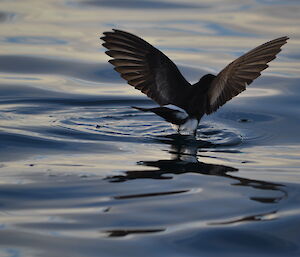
(187, 128)
(180, 113)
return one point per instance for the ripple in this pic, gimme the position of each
(247, 116)
(72, 68)
(5, 16)
(219, 137)
(35, 40)
(14, 146)
(134, 4)
(117, 121)
(83, 174)
(123, 233)
(123, 123)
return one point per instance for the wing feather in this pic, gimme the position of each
(146, 68)
(234, 78)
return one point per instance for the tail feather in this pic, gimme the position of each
(170, 113)
(142, 109)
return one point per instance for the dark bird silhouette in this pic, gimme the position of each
(153, 73)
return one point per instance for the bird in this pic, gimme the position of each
(179, 102)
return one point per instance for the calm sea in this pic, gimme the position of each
(83, 174)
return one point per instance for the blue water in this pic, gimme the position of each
(84, 174)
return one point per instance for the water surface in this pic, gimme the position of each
(84, 174)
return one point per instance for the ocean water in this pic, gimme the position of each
(84, 174)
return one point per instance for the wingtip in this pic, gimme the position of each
(111, 61)
(108, 52)
(117, 30)
(285, 38)
(102, 42)
(110, 33)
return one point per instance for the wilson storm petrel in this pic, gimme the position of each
(150, 71)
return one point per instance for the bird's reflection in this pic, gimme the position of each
(122, 233)
(185, 159)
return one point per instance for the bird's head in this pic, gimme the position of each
(206, 79)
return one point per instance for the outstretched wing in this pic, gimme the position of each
(234, 78)
(146, 68)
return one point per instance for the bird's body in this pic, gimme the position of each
(180, 103)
